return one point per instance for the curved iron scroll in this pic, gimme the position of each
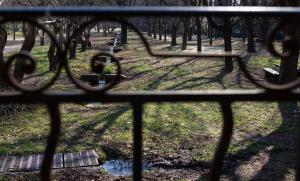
(52, 100)
(63, 63)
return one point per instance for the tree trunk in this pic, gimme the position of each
(250, 35)
(51, 57)
(98, 28)
(89, 43)
(87, 35)
(53, 53)
(14, 31)
(165, 35)
(160, 29)
(199, 34)
(174, 35)
(265, 23)
(190, 33)
(109, 31)
(210, 32)
(68, 31)
(288, 66)
(104, 31)
(154, 28)
(228, 47)
(3, 40)
(149, 27)
(83, 44)
(244, 32)
(30, 35)
(165, 32)
(42, 38)
(184, 35)
(72, 53)
(123, 34)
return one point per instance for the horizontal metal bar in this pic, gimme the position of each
(233, 54)
(153, 11)
(152, 96)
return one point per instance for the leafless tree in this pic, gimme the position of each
(225, 25)
(289, 64)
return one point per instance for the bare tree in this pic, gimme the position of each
(3, 39)
(225, 25)
(289, 64)
(198, 22)
(124, 27)
(249, 26)
(29, 41)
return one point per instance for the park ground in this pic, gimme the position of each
(178, 137)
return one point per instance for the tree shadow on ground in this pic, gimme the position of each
(80, 132)
(36, 75)
(215, 78)
(93, 129)
(155, 83)
(279, 146)
(166, 68)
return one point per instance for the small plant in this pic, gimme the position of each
(109, 69)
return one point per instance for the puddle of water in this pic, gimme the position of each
(121, 167)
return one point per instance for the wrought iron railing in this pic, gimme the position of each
(225, 98)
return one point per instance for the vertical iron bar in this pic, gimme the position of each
(137, 140)
(224, 142)
(298, 153)
(52, 141)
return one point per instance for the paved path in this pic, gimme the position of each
(12, 48)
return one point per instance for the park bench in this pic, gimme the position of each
(96, 79)
(271, 75)
(93, 79)
(112, 77)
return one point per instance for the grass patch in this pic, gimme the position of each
(263, 62)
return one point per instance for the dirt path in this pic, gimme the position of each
(15, 45)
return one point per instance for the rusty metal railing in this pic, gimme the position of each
(225, 98)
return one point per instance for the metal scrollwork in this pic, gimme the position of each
(290, 43)
(98, 66)
(29, 61)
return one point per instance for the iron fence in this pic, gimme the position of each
(225, 98)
